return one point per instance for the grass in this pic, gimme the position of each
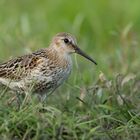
(96, 102)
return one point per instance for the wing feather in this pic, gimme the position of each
(20, 67)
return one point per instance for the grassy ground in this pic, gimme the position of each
(96, 102)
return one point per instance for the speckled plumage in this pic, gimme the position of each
(41, 71)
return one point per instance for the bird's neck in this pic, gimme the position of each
(60, 59)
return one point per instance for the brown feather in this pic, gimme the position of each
(19, 67)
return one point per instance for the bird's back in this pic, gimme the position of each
(40, 71)
(18, 68)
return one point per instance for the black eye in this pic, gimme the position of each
(66, 40)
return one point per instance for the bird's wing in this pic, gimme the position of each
(16, 69)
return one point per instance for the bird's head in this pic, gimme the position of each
(65, 43)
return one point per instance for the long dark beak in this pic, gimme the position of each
(79, 51)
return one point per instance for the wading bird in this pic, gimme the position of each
(42, 71)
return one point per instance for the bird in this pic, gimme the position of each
(44, 70)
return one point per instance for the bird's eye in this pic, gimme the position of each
(66, 40)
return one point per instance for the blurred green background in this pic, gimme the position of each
(108, 30)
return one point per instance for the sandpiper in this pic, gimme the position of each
(42, 71)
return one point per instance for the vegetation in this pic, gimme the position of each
(97, 102)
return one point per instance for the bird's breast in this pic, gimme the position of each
(50, 75)
(62, 74)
